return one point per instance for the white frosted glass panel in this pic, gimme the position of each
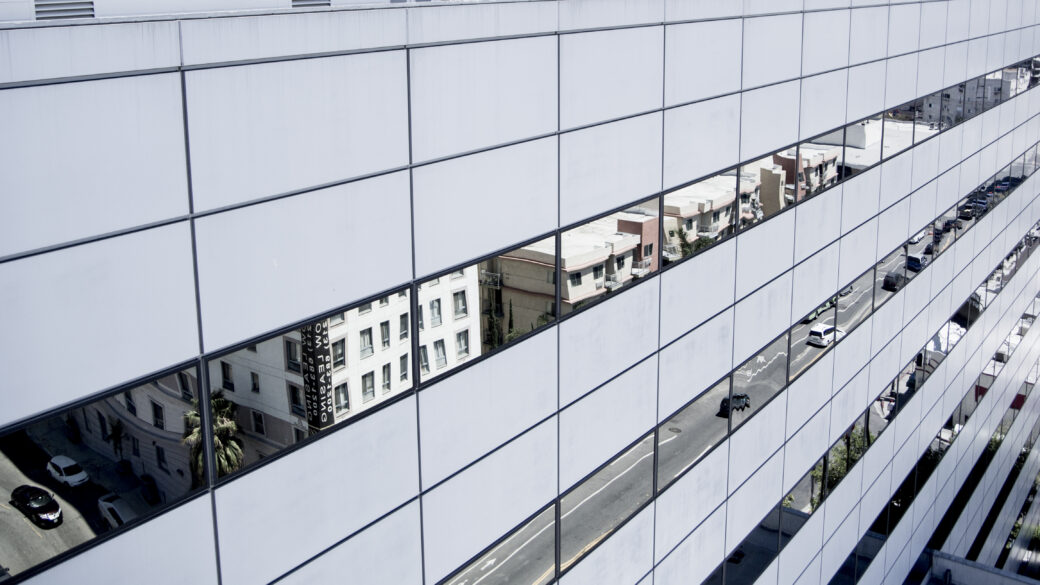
(260, 130)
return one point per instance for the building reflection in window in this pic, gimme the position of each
(309, 379)
(100, 467)
(606, 254)
(898, 129)
(767, 185)
(862, 146)
(512, 294)
(820, 164)
(698, 216)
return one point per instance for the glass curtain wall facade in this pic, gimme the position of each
(550, 291)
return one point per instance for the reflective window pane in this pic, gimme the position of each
(486, 305)
(297, 384)
(856, 301)
(942, 233)
(608, 253)
(685, 437)
(974, 97)
(699, 215)
(879, 415)
(767, 186)
(590, 512)
(96, 468)
(952, 106)
(845, 453)
(813, 336)
(528, 555)
(927, 115)
(758, 549)
(862, 145)
(889, 277)
(800, 503)
(898, 129)
(820, 164)
(756, 381)
(903, 387)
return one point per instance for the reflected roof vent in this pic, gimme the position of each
(54, 9)
(310, 3)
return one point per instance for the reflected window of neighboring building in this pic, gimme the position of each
(403, 326)
(458, 274)
(365, 308)
(598, 271)
(255, 379)
(384, 334)
(439, 353)
(435, 312)
(424, 360)
(368, 386)
(160, 458)
(462, 343)
(575, 278)
(337, 319)
(420, 317)
(135, 447)
(225, 377)
(258, 423)
(384, 301)
(386, 378)
(185, 386)
(366, 342)
(292, 356)
(342, 398)
(158, 416)
(619, 262)
(404, 367)
(296, 400)
(461, 309)
(339, 353)
(130, 406)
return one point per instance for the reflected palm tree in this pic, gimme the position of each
(227, 447)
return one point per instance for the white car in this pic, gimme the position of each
(917, 237)
(115, 510)
(67, 471)
(824, 335)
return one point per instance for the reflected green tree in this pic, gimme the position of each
(227, 447)
(702, 242)
(685, 247)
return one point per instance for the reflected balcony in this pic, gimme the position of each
(672, 252)
(641, 268)
(490, 279)
(612, 282)
(709, 230)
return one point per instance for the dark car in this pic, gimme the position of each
(893, 281)
(953, 223)
(37, 504)
(968, 212)
(740, 401)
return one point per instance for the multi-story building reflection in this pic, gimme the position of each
(605, 254)
(291, 385)
(766, 187)
(698, 215)
(143, 430)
